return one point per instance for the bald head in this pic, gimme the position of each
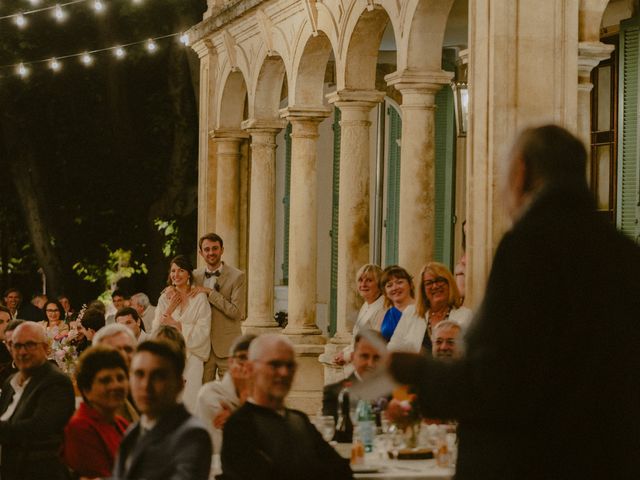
(271, 366)
(262, 345)
(35, 330)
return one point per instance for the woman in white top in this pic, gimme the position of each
(439, 299)
(191, 315)
(401, 325)
(372, 310)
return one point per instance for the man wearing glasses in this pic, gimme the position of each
(35, 405)
(263, 439)
(217, 400)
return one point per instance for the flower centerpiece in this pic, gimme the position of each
(63, 346)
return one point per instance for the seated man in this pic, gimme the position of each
(217, 400)
(35, 405)
(167, 442)
(364, 359)
(446, 341)
(129, 317)
(265, 440)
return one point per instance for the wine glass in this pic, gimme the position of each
(326, 426)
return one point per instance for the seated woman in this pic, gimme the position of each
(439, 299)
(54, 323)
(190, 314)
(372, 310)
(401, 326)
(94, 433)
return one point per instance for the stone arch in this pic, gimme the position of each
(310, 71)
(427, 22)
(265, 101)
(589, 19)
(358, 70)
(233, 100)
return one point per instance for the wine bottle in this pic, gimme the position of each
(344, 425)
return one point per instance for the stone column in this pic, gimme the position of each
(590, 54)
(261, 226)
(522, 72)
(302, 328)
(353, 216)
(228, 155)
(416, 225)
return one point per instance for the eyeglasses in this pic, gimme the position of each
(28, 346)
(276, 365)
(438, 281)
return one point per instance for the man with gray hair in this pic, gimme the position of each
(265, 440)
(217, 400)
(140, 301)
(446, 340)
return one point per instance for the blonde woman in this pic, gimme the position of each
(372, 310)
(439, 299)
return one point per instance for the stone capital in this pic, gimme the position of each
(590, 54)
(357, 98)
(203, 48)
(306, 113)
(258, 125)
(228, 134)
(419, 82)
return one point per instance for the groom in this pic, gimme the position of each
(225, 286)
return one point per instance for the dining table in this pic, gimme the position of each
(402, 470)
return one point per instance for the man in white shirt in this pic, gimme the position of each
(140, 301)
(129, 317)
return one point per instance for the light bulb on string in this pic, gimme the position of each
(184, 39)
(86, 59)
(35, 3)
(119, 52)
(59, 13)
(151, 46)
(22, 70)
(98, 6)
(136, 2)
(55, 65)
(20, 20)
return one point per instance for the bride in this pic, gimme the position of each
(191, 315)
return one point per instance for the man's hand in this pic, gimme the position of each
(196, 290)
(220, 419)
(339, 359)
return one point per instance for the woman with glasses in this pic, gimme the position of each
(55, 317)
(439, 299)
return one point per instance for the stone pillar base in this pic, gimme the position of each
(260, 329)
(306, 392)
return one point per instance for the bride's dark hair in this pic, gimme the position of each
(184, 263)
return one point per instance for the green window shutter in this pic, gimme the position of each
(445, 179)
(393, 185)
(628, 207)
(287, 203)
(333, 300)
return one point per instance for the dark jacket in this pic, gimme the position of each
(178, 447)
(261, 444)
(32, 438)
(549, 385)
(331, 392)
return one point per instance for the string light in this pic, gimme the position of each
(20, 20)
(35, 3)
(98, 6)
(59, 13)
(184, 39)
(55, 65)
(151, 46)
(87, 58)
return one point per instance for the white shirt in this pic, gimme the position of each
(213, 279)
(409, 333)
(18, 391)
(369, 317)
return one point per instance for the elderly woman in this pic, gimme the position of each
(54, 322)
(439, 299)
(400, 326)
(190, 315)
(372, 310)
(94, 433)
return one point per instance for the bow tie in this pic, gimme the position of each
(212, 274)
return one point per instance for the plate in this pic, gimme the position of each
(364, 469)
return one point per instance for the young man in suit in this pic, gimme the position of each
(167, 441)
(547, 387)
(35, 405)
(225, 287)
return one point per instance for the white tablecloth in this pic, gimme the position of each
(404, 470)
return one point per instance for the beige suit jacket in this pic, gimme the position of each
(227, 307)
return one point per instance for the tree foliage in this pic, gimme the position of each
(92, 157)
